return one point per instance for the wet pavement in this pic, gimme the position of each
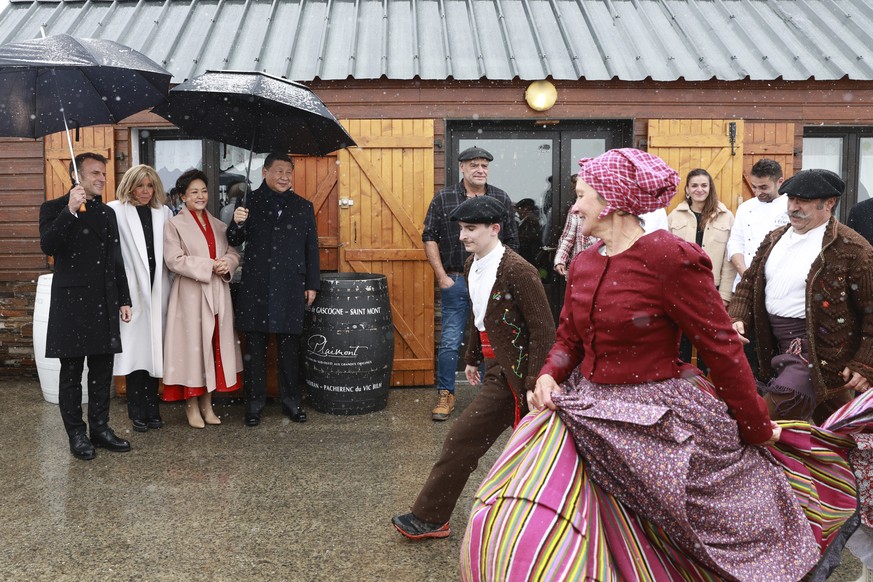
(281, 501)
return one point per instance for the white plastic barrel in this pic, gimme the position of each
(48, 368)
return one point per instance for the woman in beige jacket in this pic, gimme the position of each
(201, 351)
(702, 219)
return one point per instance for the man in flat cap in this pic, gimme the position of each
(806, 298)
(511, 332)
(446, 255)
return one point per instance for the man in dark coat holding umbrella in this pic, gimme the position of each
(89, 290)
(281, 275)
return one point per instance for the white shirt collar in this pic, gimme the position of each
(493, 256)
(816, 232)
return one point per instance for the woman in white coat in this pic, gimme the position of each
(141, 217)
(701, 218)
(200, 347)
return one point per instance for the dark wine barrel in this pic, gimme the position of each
(348, 342)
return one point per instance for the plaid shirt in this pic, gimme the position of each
(572, 241)
(441, 230)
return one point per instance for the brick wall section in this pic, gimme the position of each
(16, 328)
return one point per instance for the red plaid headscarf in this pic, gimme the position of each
(630, 180)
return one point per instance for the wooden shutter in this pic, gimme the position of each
(686, 144)
(22, 190)
(385, 187)
(98, 139)
(767, 140)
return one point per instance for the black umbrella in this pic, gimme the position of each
(255, 111)
(51, 82)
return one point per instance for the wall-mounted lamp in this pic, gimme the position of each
(541, 95)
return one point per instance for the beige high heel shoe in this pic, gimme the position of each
(205, 404)
(192, 410)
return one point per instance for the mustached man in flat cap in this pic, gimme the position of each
(806, 298)
(446, 255)
(511, 333)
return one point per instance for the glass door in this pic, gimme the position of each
(534, 162)
(848, 151)
(826, 153)
(171, 154)
(523, 167)
(865, 169)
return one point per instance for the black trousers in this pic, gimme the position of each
(70, 392)
(751, 351)
(142, 396)
(255, 374)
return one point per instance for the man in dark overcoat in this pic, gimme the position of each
(89, 290)
(281, 275)
(861, 219)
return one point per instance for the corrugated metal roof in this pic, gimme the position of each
(627, 40)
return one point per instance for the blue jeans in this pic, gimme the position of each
(455, 302)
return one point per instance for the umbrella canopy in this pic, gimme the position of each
(255, 111)
(88, 81)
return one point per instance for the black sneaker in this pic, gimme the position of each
(416, 529)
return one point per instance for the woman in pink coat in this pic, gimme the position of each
(201, 350)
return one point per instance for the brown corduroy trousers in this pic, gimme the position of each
(470, 437)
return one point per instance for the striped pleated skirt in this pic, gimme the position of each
(651, 482)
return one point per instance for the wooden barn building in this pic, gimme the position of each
(702, 83)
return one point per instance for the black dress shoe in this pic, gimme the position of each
(253, 419)
(155, 423)
(297, 415)
(107, 440)
(81, 447)
(140, 425)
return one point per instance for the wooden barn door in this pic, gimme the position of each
(385, 187)
(767, 140)
(316, 179)
(686, 144)
(98, 139)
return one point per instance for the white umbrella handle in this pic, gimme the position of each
(82, 207)
(70, 144)
(69, 140)
(249, 168)
(67, 131)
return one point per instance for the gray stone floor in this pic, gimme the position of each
(278, 502)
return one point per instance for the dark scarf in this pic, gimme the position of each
(279, 200)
